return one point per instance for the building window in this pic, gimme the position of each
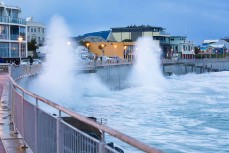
(43, 30)
(31, 29)
(14, 13)
(35, 29)
(23, 49)
(14, 32)
(38, 29)
(4, 49)
(4, 32)
(14, 50)
(22, 32)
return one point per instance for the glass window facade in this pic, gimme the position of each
(14, 32)
(22, 32)
(4, 32)
(23, 50)
(14, 13)
(4, 49)
(14, 50)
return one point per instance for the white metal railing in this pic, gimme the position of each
(92, 65)
(47, 133)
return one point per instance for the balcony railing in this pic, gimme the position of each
(8, 19)
(164, 33)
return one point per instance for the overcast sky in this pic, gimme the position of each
(199, 19)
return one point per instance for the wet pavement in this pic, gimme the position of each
(9, 142)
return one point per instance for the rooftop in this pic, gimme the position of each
(2, 4)
(102, 34)
(138, 27)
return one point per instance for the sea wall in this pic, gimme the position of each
(195, 66)
(116, 76)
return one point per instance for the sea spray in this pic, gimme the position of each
(146, 69)
(60, 80)
(57, 78)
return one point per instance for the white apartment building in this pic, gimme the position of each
(35, 30)
(11, 28)
(179, 45)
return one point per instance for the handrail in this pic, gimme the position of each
(121, 136)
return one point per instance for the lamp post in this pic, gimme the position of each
(216, 54)
(223, 52)
(124, 52)
(115, 46)
(20, 40)
(87, 44)
(68, 43)
(102, 49)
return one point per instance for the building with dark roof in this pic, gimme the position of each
(134, 32)
(101, 36)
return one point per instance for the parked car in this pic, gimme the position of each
(105, 59)
(116, 59)
(37, 61)
(27, 61)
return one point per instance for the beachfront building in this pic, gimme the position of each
(132, 33)
(35, 30)
(120, 42)
(118, 36)
(214, 47)
(184, 48)
(13, 33)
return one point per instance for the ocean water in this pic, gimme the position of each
(188, 114)
(191, 114)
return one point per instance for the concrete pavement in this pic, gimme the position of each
(9, 142)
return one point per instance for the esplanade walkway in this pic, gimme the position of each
(10, 142)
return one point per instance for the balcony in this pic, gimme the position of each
(16, 36)
(7, 19)
(164, 33)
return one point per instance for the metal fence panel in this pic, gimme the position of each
(75, 141)
(29, 124)
(46, 132)
(18, 112)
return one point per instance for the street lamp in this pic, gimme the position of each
(115, 46)
(216, 54)
(102, 48)
(124, 52)
(20, 39)
(68, 43)
(87, 44)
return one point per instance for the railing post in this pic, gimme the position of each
(102, 143)
(58, 136)
(23, 122)
(13, 110)
(36, 126)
